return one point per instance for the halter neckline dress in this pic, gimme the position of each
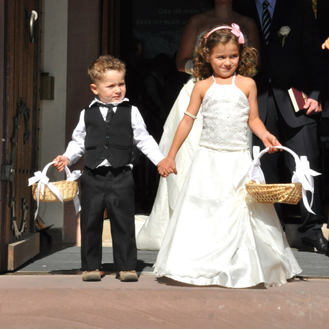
(217, 234)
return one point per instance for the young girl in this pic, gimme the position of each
(217, 235)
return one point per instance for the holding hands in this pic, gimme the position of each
(61, 162)
(167, 166)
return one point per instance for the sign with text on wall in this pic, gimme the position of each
(159, 24)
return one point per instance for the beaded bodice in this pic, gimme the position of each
(225, 111)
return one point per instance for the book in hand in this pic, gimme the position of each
(298, 99)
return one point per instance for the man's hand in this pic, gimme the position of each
(325, 44)
(312, 107)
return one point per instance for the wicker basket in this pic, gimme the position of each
(68, 190)
(275, 193)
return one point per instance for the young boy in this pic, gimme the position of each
(105, 135)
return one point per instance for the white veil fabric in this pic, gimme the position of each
(151, 229)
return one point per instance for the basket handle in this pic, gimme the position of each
(42, 180)
(302, 174)
(256, 173)
(71, 176)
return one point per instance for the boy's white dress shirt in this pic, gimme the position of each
(142, 139)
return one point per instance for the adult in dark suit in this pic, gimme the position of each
(294, 60)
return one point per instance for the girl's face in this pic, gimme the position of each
(224, 59)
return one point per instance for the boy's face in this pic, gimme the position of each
(111, 88)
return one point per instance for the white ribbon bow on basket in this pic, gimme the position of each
(302, 174)
(42, 180)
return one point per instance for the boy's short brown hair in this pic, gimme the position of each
(103, 64)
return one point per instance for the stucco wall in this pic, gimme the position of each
(53, 112)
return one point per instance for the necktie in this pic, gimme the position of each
(266, 21)
(110, 111)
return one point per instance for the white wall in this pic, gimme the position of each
(52, 116)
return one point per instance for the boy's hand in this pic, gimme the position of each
(61, 162)
(167, 166)
(270, 140)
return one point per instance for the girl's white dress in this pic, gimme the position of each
(217, 235)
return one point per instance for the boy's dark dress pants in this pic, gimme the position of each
(106, 187)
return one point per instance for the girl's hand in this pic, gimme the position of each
(61, 162)
(166, 167)
(270, 140)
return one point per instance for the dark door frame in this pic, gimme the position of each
(2, 110)
(20, 60)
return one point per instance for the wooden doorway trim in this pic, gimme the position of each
(2, 110)
(111, 27)
(83, 47)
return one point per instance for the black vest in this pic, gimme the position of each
(113, 142)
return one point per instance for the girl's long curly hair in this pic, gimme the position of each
(248, 56)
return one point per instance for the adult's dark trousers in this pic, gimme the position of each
(114, 189)
(303, 141)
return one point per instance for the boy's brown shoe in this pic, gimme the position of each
(91, 275)
(127, 276)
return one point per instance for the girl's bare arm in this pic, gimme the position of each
(168, 165)
(255, 123)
